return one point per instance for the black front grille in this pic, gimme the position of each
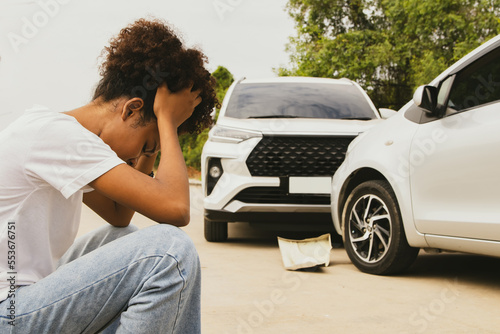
(269, 195)
(297, 156)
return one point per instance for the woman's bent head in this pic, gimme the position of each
(145, 55)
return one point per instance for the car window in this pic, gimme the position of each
(477, 84)
(298, 100)
(444, 90)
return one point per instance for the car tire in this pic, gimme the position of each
(215, 231)
(374, 237)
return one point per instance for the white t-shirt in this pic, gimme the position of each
(47, 161)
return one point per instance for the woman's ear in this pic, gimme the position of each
(132, 108)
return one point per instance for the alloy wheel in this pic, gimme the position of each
(370, 228)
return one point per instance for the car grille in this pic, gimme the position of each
(297, 156)
(268, 195)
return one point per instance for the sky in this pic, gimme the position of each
(49, 49)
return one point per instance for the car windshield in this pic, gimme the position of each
(298, 100)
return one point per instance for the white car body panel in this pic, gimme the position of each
(455, 180)
(422, 163)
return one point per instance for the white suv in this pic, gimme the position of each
(427, 177)
(277, 142)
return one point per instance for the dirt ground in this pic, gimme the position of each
(246, 289)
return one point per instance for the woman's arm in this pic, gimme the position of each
(164, 198)
(111, 211)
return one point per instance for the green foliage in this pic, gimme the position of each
(224, 80)
(389, 47)
(192, 144)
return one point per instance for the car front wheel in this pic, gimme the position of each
(215, 231)
(374, 236)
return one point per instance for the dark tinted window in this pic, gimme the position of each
(298, 100)
(477, 84)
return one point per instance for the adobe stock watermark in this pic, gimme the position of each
(485, 88)
(421, 150)
(31, 25)
(150, 82)
(462, 114)
(266, 308)
(222, 7)
(421, 318)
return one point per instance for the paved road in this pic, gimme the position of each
(246, 290)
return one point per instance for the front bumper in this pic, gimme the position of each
(289, 221)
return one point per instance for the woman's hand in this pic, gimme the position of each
(175, 107)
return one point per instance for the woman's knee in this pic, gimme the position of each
(173, 242)
(173, 239)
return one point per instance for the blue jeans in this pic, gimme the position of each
(115, 281)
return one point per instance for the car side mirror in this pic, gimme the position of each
(425, 97)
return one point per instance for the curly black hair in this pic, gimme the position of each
(145, 55)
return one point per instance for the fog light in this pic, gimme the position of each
(215, 172)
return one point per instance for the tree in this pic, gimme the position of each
(224, 80)
(389, 47)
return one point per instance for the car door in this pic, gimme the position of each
(455, 159)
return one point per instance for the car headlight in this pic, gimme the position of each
(229, 135)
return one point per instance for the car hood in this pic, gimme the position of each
(300, 126)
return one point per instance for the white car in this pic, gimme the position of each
(277, 142)
(429, 176)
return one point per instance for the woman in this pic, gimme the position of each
(115, 279)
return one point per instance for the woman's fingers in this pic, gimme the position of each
(178, 106)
